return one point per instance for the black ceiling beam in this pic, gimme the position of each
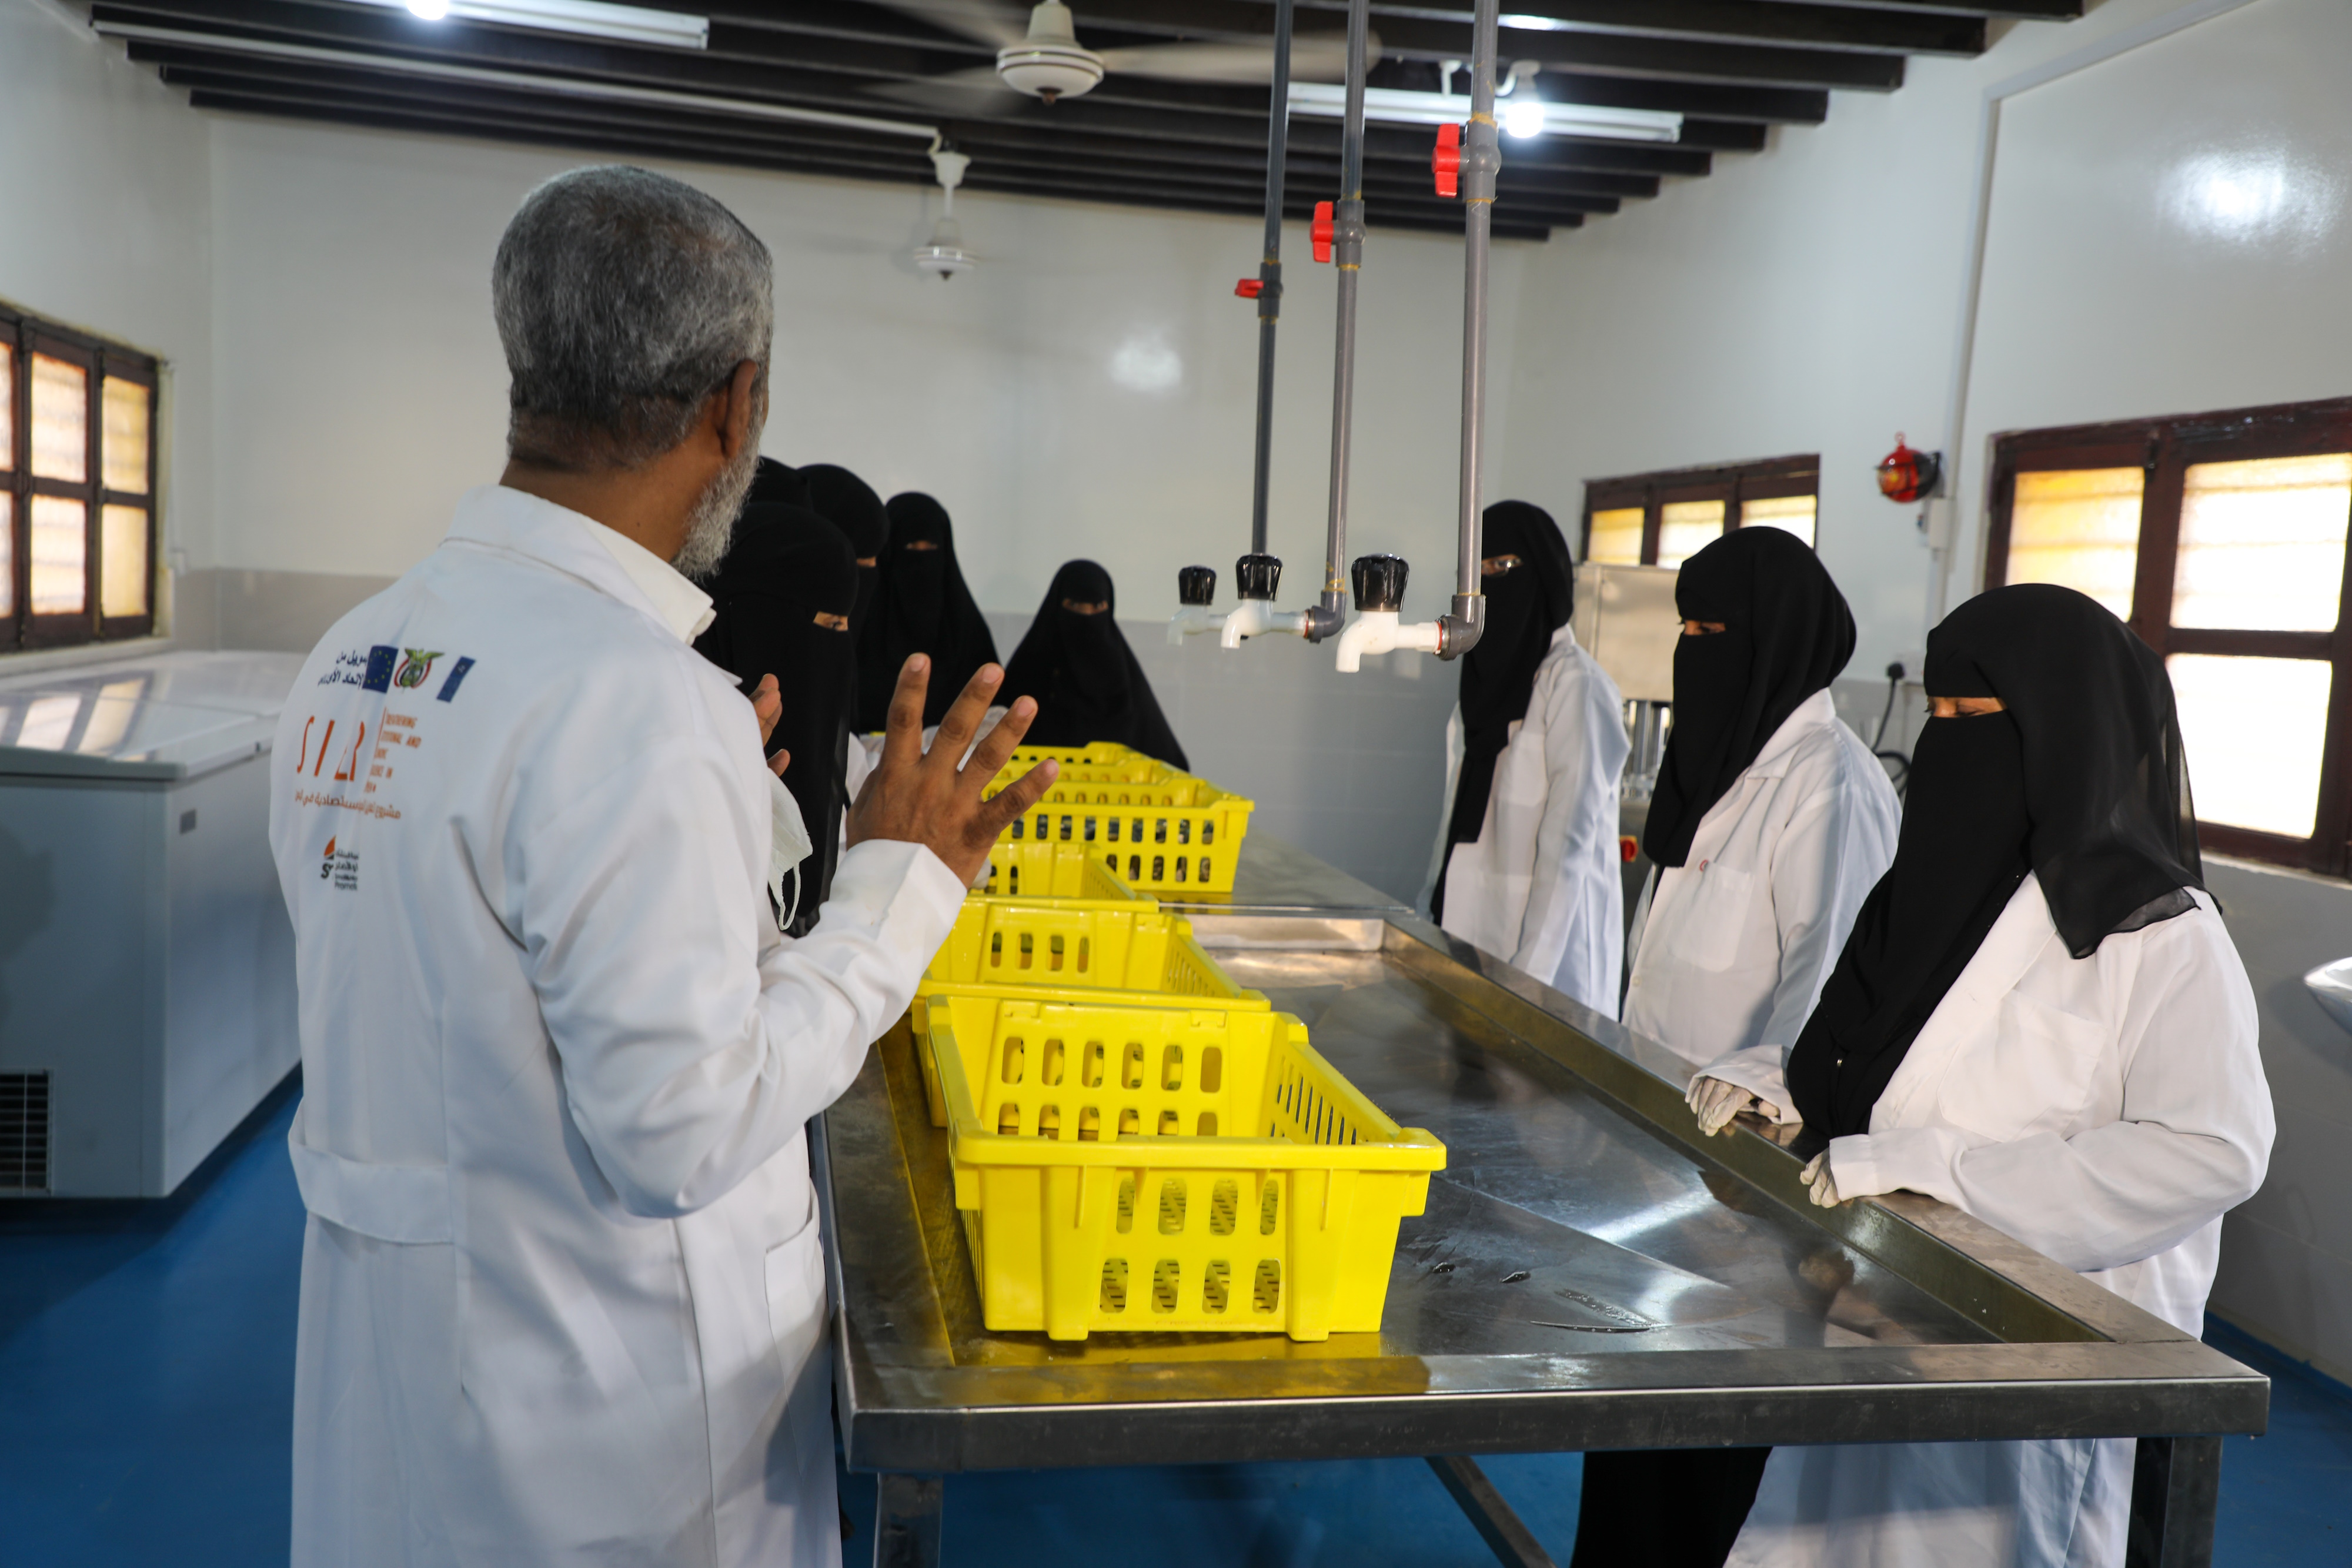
(1181, 140)
(879, 167)
(491, 120)
(2022, 10)
(1314, 175)
(1115, 105)
(1442, 31)
(1646, 56)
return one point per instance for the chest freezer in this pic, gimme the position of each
(146, 960)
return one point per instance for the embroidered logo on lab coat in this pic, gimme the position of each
(414, 667)
(340, 868)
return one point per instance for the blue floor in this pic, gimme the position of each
(146, 1385)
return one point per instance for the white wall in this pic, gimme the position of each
(107, 226)
(1088, 390)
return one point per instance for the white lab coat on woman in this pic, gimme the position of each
(1731, 947)
(564, 1297)
(2105, 1110)
(1541, 885)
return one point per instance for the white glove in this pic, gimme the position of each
(1824, 1185)
(1717, 1102)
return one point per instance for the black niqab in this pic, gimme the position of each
(920, 606)
(1084, 676)
(2080, 779)
(849, 504)
(774, 483)
(1525, 608)
(1787, 633)
(787, 567)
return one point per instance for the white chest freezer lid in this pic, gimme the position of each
(170, 716)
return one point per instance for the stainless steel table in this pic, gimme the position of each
(1590, 1274)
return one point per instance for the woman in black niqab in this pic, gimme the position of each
(1786, 634)
(1077, 665)
(850, 505)
(781, 598)
(1527, 602)
(920, 606)
(2077, 776)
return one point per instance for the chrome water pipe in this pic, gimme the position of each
(1482, 159)
(1348, 255)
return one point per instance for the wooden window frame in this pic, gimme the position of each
(1733, 483)
(2165, 450)
(99, 360)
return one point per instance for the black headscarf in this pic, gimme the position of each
(773, 482)
(1787, 633)
(1524, 608)
(787, 567)
(2080, 779)
(1079, 668)
(849, 504)
(920, 606)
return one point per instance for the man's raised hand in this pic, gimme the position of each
(928, 799)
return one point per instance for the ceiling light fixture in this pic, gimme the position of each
(587, 18)
(1395, 106)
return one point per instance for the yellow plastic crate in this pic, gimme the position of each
(1077, 944)
(1161, 832)
(1112, 1175)
(1102, 762)
(1032, 870)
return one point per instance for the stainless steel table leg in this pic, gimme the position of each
(2175, 1491)
(906, 1521)
(1503, 1531)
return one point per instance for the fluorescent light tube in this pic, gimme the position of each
(1394, 106)
(588, 18)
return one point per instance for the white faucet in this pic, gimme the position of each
(1256, 617)
(1193, 618)
(1380, 632)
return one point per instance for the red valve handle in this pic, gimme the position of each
(1320, 232)
(1250, 287)
(1447, 162)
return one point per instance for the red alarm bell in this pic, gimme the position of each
(1904, 475)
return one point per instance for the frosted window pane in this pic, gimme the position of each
(7, 405)
(1687, 528)
(1791, 514)
(122, 441)
(1617, 536)
(2254, 730)
(2080, 528)
(60, 547)
(2261, 544)
(7, 555)
(122, 561)
(60, 421)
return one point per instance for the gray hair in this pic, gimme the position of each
(623, 300)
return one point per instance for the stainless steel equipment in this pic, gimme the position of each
(146, 961)
(1590, 1274)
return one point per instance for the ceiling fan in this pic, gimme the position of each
(1040, 55)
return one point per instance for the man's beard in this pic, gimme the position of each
(711, 527)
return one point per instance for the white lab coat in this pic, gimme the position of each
(1731, 947)
(2105, 1110)
(562, 1293)
(1542, 886)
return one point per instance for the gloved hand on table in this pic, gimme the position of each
(1717, 1102)
(1818, 1175)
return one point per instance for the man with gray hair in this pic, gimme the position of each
(562, 1295)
